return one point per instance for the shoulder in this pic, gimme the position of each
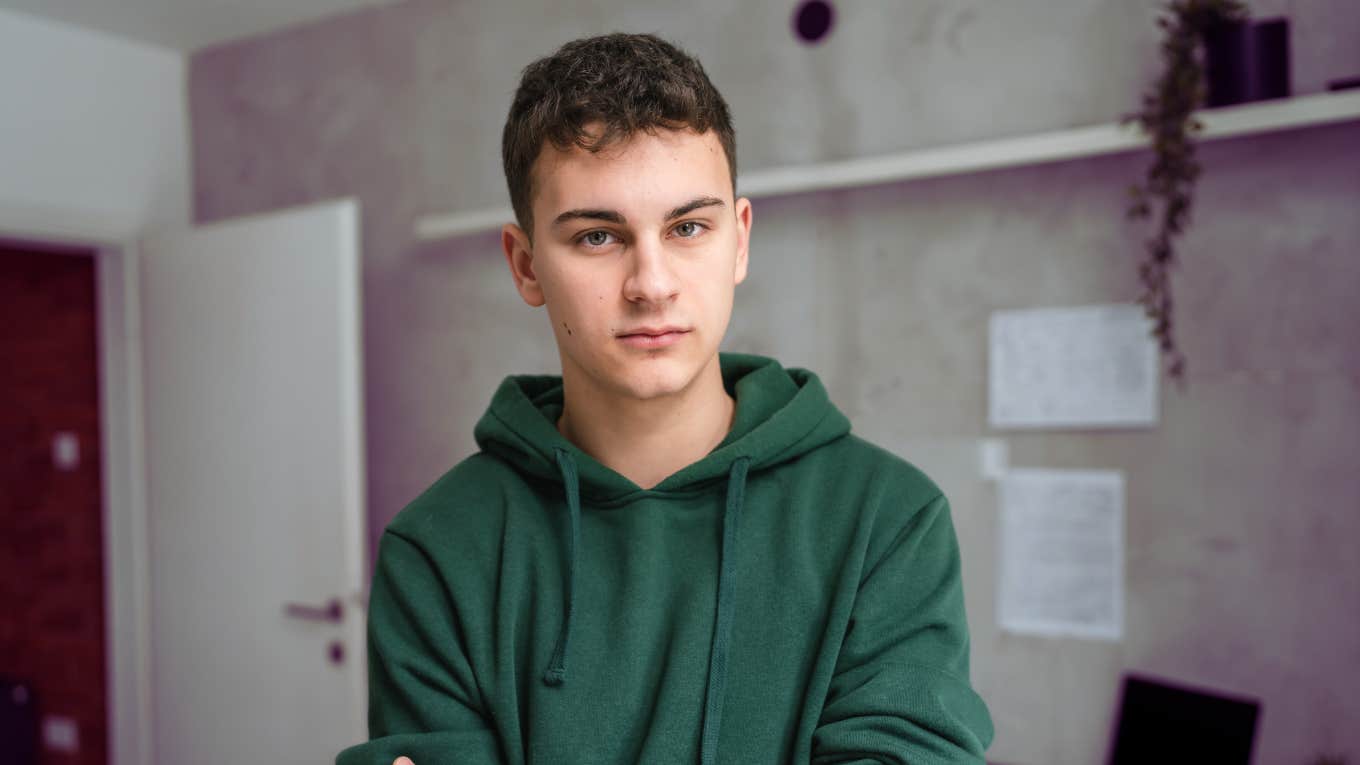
(461, 503)
(897, 501)
(897, 479)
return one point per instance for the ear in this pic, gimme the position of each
(743, 211)
(519, 256)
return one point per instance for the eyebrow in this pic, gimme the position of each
(613, 216)
(694, 204)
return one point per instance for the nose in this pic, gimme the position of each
(652, 277)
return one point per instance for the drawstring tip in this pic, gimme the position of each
(555, 676)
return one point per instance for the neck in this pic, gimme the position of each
(646, 440)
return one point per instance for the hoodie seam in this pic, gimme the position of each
(913, 525)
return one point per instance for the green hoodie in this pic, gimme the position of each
(793, 597)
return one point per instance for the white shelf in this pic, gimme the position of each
(1224, 122)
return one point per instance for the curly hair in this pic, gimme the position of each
(627, 82)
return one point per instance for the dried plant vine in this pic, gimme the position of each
(1167, 117)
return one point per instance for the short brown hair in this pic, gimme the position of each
(628, 82)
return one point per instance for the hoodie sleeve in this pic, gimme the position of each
(900, 692)
(423, 700)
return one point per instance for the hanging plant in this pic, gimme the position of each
(1167, 118)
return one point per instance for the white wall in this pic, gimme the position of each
(92, 125)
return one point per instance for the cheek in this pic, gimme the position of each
(577, 304)
(717, 284)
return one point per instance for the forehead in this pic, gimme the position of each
(643, 171)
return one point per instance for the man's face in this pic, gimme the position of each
(641, 238)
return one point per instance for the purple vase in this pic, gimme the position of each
(1246, 61)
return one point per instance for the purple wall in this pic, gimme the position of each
(1242, 567)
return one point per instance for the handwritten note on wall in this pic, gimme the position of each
(1084, 366)
(1062, 553)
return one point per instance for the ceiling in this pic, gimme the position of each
(185, 25)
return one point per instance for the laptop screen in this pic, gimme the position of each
(1164, 723)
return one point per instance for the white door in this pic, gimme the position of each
(255, 487)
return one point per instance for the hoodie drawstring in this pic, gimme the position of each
(722, 630)
(717, 658)
(557, 668)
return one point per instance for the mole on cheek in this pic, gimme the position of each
(568, 329)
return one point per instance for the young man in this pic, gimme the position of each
(666, 554)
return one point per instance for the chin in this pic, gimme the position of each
(661, 375)
(656, 380)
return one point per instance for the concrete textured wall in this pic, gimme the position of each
(1242, 570)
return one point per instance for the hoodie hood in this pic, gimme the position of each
(780, 415)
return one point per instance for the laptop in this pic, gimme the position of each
(1165, 723)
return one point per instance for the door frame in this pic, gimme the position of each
(123, 484)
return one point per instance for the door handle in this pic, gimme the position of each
(333, 611)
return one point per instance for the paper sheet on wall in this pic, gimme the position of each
(1085, 366)
(1062, 553)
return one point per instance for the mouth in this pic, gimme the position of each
(652, 337)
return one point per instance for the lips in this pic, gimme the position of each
(652, 331)
(653, 337)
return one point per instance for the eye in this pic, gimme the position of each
(690, 229)
(596, 238)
